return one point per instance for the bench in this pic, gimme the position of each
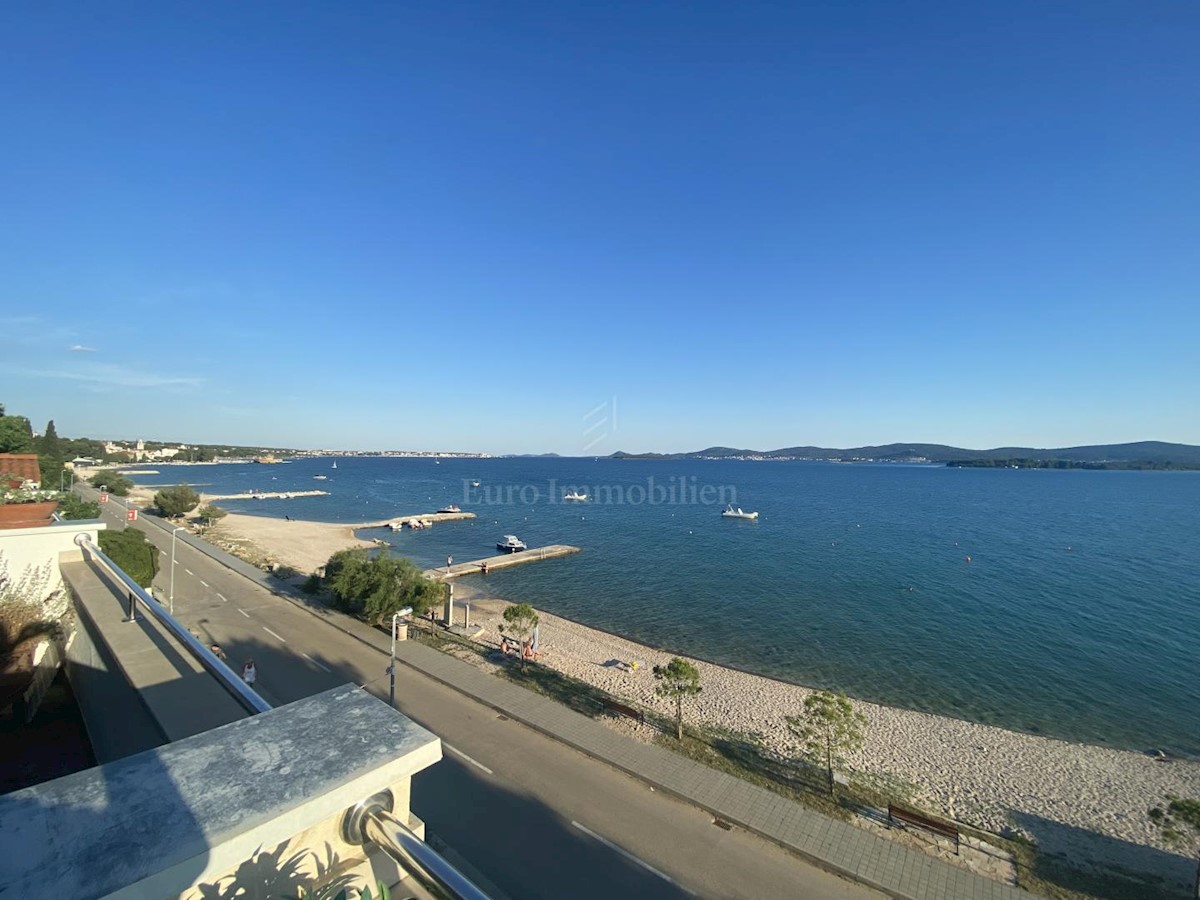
(621, 709)
(936, 826)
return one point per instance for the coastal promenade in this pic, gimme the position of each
(835, 846)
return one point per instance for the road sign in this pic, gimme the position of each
(131, 515)
(104, 498)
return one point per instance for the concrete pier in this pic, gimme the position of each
(266, 495)
(504, 561)
(428, 518)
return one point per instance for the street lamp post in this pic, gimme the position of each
(407, 611)
(171, 594)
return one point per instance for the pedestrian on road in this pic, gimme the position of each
(218, 652)
(249, 673)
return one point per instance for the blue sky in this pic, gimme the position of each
(469, 226)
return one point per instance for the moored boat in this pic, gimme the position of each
(732, 513)
(511, 544)
(576, 496)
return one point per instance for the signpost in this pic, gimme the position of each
(131, 515)
(104, 498)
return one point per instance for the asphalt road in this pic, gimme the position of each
(537, 818)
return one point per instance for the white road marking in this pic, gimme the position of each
(189, 571)
(315, 663)
(224, 599)
(629, 856)
(274, 635)
(476, 763)
(203, 582)
(244, 613)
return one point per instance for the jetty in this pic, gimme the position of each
(492, 563)
(427, 519)
(266, 495)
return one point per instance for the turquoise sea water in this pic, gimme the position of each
(1077, 616)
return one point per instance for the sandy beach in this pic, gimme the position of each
(1085, 802)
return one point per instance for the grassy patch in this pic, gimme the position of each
(571, 692)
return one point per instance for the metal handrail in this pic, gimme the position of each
(377, 824)
(417, 858)
(226, 677)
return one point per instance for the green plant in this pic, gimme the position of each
(828, 727)
(1179, 823)
(15, 490)
(209, 514)
(112, 481)
(676, 680)
(72, 506)
(520, 619)
(174, 501)
(136, 556)
(375, 587)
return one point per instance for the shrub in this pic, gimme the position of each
(114, 481)
(72, 506)
(175, 501)
(130, 550)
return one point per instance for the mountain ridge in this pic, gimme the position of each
(1132, 452)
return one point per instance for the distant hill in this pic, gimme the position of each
(1137, 452)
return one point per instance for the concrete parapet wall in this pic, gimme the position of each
(225, 808)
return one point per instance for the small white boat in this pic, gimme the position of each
(731, 513)
(320, 477)
(449, 509)
(474, 484)
(575, 495)
(335, 464)
(511, 544)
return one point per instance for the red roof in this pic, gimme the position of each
(22, 465)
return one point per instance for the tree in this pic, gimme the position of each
(1179, 823)
(173, 502)
(376, 587)
(72, 506)
(828, 728)
(520, 619)
(15, 435)
(112, 481)
(48, 443)
(209, 514)
(130, 550)
(676, 680)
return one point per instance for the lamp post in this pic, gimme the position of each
(171, 595)
(407, 611)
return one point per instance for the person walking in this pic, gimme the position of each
(249, 673)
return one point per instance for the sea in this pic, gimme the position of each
(1061, 603)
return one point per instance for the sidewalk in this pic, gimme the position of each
(829, 843)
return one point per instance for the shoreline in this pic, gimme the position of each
(1085, 801)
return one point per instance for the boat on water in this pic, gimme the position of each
(475, 483)
(511, 544)
(577, 496)
(449, 509)
(320, 477)
(334, 464)
(732, 513)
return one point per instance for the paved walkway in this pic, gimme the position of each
(893, 868)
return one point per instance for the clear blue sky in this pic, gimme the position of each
(459, 226)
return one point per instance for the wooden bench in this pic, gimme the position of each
(936, 826)
(621, 709)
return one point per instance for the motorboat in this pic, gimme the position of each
(449, 509)
(475, 483)
(511, 544)
(576, 495)
(732, 513)
(319, 477)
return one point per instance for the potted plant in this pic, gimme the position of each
(24, 506)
